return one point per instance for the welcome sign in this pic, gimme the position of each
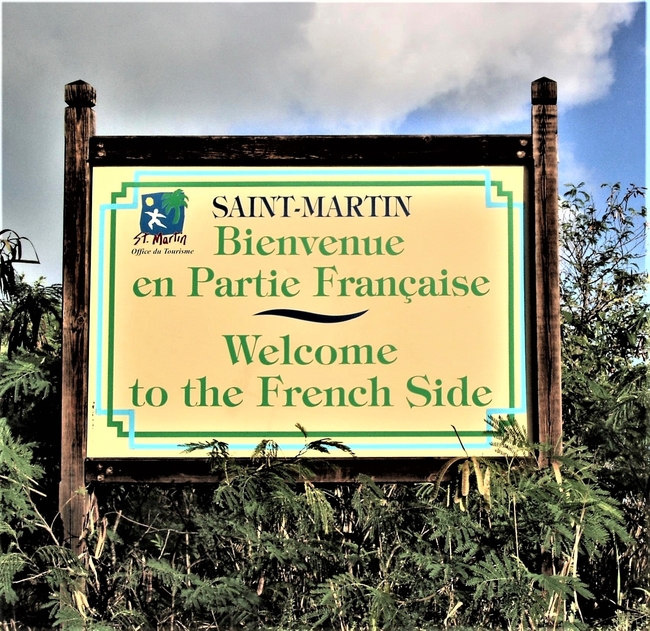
(382, 307)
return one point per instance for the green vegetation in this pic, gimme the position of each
(174, 201)
(498, 545)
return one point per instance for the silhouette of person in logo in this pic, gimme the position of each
(155, 218)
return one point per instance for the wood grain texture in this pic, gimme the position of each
(197, 471)
(79, 126)
(547, 277)
(310, 150)
(537, 151)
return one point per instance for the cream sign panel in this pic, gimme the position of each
(382, 307)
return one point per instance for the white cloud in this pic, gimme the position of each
(325, 67)
(368, 66)
(279, 68)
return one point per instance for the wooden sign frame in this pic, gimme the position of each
(535, 152)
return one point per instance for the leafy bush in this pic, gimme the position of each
(493, 544)
(605, 373)
(264, 551)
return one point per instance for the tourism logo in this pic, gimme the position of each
(162, 218)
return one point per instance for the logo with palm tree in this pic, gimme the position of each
(163, 213)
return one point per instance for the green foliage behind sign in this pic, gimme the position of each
(500, 544)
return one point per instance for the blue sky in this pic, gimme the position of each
(602, 141)
(335, 68)
(607, 137)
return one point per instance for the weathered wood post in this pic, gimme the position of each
(79, 127)
(547, 263)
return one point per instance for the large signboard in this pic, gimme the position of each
(380, 306)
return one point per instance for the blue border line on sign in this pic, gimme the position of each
(245, 173)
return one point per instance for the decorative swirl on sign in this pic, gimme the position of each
(308, 316)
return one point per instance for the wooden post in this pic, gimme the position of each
(79, 127)
(547, 266)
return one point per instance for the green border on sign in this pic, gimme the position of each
(111, 422)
